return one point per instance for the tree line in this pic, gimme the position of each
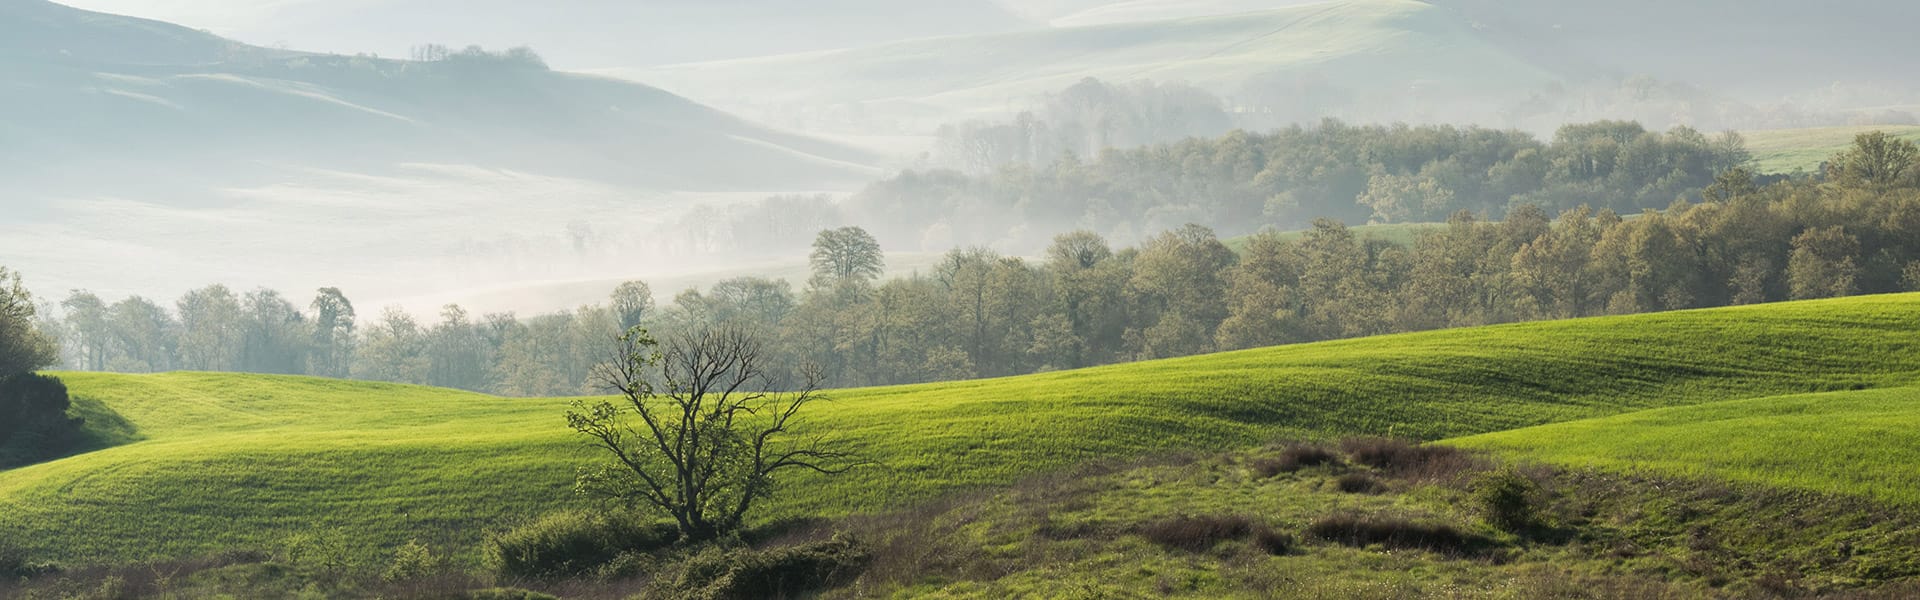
(1084, 302)
(1286, 178)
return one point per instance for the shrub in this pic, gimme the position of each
(1199, 534)
(573, 543)
(508, 594)
(1392, 532)
(1295, 458)
(1506, 499)
(323, 551)
(412, 561)
(33, 419)
(1271, 541)
(1196, 534)
(1359, 483)
(741, 573)
(1406, 459)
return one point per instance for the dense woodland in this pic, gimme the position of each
(1854, 229)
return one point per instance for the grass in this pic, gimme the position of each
(1803, 150)
(1857, 443)
(227, 461)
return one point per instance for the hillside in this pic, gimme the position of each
(1791, 150)
(90, 92)
(580, 33)
(1729, 46)
(1855, 443)
(1368, 48)
(227, 460)
(140, 154)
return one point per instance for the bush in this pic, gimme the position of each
(741, 573)
(1361, 531)
(412, 561)
(1200, 534)
(1271, 541)
(1295, 458)
(1359, 483)
(573, 543)
(1406, 459)
(33, 419)
(1506, 499)
(508, 594)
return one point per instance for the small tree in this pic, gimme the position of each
(698, 432)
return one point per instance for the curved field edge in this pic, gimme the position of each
(1864, 444)
(246, 461)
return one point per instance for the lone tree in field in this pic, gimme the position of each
(698, 432)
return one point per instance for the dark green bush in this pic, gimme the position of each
(746, 574)
(33, 419)
(1506, 499)
(573, 543)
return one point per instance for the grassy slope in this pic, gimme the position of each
(1366, 45)
(1790, 150)
(1859, 443)
(245, 460)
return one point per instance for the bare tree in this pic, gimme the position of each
(699, 432)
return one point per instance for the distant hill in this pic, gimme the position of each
(1376, 51)
(1747, 47)
(88, 93)
(581, 33)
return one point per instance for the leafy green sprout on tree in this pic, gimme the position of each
(699, 431)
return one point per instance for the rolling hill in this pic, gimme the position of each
(149, 101)
(1855, 443)
(580, 33)
(232, 460)
(1377, 50)
(1729, 46)
(1791, 150)
(145, 157)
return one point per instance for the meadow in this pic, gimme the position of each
(225, 461)
(1856, 443)
(1804, 150)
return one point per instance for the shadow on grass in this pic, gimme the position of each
(100, 428)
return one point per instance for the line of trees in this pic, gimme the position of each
(1288, 178)
(1084, 302)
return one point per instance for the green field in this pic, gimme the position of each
(232, 460)
(1858, 443)
(1803, 150)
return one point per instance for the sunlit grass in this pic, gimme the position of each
(1803, 150)
(1859, 443)
(233, 460)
